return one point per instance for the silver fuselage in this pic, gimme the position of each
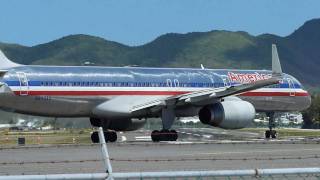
(76, 91)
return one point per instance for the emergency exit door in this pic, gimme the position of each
(24, 84)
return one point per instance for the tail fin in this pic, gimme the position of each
(276, 66)
(5, 62)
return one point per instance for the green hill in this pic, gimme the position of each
(299, 52)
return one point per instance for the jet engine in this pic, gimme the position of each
(128, 124)
(228, 114)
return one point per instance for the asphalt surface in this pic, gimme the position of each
(197, 149)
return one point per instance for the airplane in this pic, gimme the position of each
(122, 98)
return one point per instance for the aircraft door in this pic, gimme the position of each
(24, 83)
(176, 83)
(169, 83)
(291, 87)
(226, 81)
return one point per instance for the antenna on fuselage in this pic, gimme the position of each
(276, 66)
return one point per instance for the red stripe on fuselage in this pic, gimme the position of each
(101, 93)
(274, 94)
(146, 93)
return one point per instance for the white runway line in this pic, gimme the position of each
(246, 152)
(123, 138)
(180, 142)
(207, 136)
(143, 138)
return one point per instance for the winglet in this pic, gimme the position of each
(5, 62)
(276, 66)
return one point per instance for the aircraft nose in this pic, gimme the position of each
(307, 101)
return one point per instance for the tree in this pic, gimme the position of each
(311, 116)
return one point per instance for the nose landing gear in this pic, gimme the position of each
(271, 133)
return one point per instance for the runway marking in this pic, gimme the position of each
(123, 138)
(246, 152)
(180, 142)
(207, 136)
(143, 138)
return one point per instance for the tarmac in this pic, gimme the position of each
(196, 149)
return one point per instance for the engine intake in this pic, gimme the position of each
(228, 114)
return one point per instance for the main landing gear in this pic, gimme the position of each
(167, 117)
(164, 135)
(110, 135)
(271, 133)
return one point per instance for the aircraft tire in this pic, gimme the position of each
(267, 134)
(113, 136)
(110, 136)
(95, 137)
(273, 134)
(155, 136)
(164, 135)
(174, 135)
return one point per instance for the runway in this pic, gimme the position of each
(192, 152)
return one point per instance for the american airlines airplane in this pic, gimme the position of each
(122, 98)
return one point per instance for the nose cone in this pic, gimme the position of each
(306, 101)
(302, 101)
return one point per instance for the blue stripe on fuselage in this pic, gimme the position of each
(128, 84)
(122, 76)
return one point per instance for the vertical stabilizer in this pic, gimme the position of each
(276, 66)
(5, 62)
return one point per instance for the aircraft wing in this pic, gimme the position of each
(204, 97)
(208, 96)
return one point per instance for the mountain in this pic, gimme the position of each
(299, 52)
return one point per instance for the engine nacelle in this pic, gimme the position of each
(228, 114)
(129, 124)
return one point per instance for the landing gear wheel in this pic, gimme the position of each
(164, 135)
(95, 137)
(174, 135)
(110, 136)
(155, 136)
(267, 134)
(273, 134)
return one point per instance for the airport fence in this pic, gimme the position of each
(289, 173)
(284, 173)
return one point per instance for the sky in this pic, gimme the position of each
(136, 22)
